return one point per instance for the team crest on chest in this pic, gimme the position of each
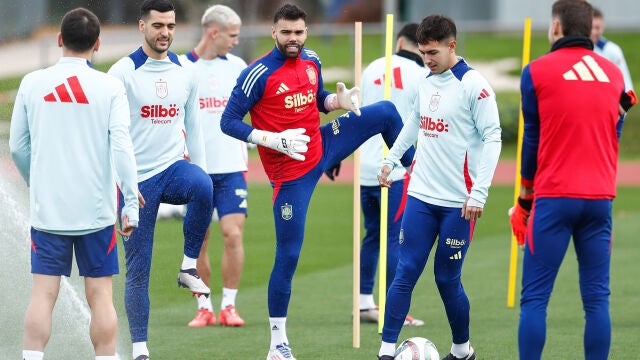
(311, 73)
(434, 102)
(161, 89)
(286, 211)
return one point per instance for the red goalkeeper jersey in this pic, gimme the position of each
(570, 103)
(280, 93)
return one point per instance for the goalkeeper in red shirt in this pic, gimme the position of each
(573, 102)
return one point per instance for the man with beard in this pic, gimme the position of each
(163, 106)
(284, 93)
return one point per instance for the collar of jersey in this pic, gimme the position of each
(411, 56)
(139, 57)
(193, 56)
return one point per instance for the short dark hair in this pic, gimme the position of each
(576, 16)
(436, 28)
(157, 5)
(289, 12)
(409, 32)
(80, 29)
(597, 13)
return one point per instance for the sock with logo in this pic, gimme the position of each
(32, 355)
(278, 331)
(204, 302)
(228, 297)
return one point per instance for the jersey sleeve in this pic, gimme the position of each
(122, 152)
(248, 90)
(408, 135)
(194, 140)
(531, 132)
(484, 111)
(322, 92)
(19, 136)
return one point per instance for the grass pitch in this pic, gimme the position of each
(319, 320)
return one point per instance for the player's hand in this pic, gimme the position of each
(291, 142)
(126, 228)
(470, 212)
(627, 100)
(383, 175)
(333, 171)
(348, 98)
(519, 217)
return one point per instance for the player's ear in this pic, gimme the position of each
(60, 44)
(96, 46)
(273, 32)
(452, 45)
(141, 25)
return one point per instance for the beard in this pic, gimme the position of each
(290, 52)
(153, 44)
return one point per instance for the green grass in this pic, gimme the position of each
(319, 320)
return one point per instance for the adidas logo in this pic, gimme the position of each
(282, 88)
(275, 328)
(456, 256)
(483, 94)
(585, 70)
(63, 94)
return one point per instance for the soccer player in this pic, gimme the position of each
(608, 48)
(284, 92)
(455, 123)
(69, 132)
(163, 105)
(567, 188)
(226, 157)
(407, 71)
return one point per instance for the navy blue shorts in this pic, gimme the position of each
(229, 193)
(96, 253)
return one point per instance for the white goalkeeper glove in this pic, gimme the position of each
(344, 99)
(291, 142)
(348, 99)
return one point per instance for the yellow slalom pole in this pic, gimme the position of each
(513, 262)
(357, 69)
(384, 195)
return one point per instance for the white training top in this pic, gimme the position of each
(69, 129)
(459, 138)
(218, 76)
(163, 102)
(613, 53)
(406, 74)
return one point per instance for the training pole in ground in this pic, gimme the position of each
(384, 194)
(357, 70)
(513, 262)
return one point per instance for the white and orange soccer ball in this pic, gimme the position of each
(417, 348)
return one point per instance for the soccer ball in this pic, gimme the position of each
(417, 348)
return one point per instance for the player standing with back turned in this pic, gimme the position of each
(408, 71)
(69, 132)
(571, 101)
